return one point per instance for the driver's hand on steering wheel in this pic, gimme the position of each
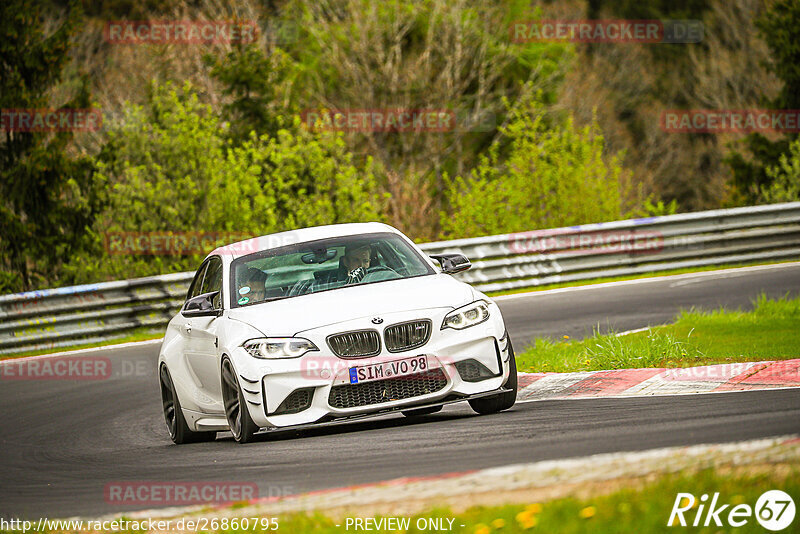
(356, 275)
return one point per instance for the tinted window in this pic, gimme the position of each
(194, 287)
(323, 265)
(213, 279)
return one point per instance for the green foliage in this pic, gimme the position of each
(128, 9)
(433, 54)
(293, 180)
(169, 168)
(160, 163)
(750, 178)
(251, 80)
(651, 208)
(549, 177)
(780, 28)
(785, 177)
(47, 195)
(652, 10)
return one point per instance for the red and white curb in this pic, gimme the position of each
(660, 381)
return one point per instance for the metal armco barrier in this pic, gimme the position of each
(66, 316)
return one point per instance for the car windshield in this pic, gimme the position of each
(323, 265)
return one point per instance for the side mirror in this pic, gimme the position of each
(452, 263)
(202, 306)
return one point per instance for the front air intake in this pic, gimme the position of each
(392, 389)
(297, 401)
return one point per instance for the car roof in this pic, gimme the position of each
(290, 237)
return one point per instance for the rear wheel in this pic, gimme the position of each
(421, 411)
(501, 401)
(173, 415)
(242, 426)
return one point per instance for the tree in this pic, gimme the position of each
(252, 81)
(431, 55)
(785, 176)
(549, 177)
(780, 28)
(170, 167)
(48, 197)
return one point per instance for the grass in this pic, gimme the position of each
(630, 510)
(641, 506)
(771, 331)
(141, 334)
(654, 274)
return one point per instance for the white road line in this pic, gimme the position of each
(634, 331)
(721, 273)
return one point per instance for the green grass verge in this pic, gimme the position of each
(642, 507)
(768, 332)
(142, 334)
(654, 274)
(643, 510)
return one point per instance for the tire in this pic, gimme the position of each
(501, 401)
(242, 426)
(422, 411)
(173, 414)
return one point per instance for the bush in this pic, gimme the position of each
(169, 168)
(548, 177)
(784, 177)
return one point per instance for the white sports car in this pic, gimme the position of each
(328, 323)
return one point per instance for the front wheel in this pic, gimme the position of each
(501, 401)
(242, 426)
(173, 414)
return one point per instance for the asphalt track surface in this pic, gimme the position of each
(63, 441)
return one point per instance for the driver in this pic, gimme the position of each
(356, 262)
(352, 266)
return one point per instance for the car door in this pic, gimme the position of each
(182, 324)
(202, 352)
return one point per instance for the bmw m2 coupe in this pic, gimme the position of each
(328, 323)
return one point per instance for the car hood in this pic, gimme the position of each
(289, 316)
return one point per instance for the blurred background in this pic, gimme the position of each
(213, 136)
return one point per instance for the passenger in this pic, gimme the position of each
(256, 280)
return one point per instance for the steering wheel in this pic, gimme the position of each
(379, 268)
(380, 272)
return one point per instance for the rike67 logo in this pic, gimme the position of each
(774, 510)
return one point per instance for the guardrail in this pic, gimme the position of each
(54, 318)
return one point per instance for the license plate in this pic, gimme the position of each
(382, 371)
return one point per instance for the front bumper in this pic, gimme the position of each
(268, 385)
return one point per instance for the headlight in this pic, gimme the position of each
(278, 347)
(467, 316)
